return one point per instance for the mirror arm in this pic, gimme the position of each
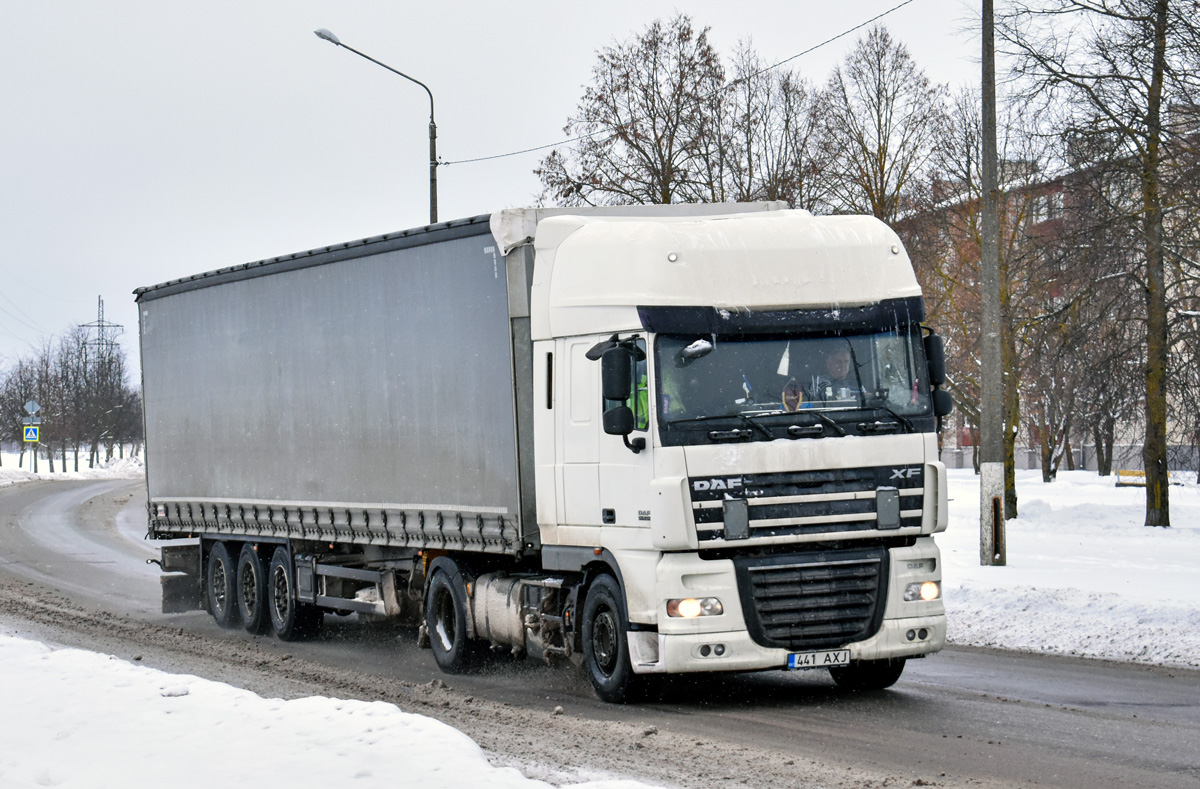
(635, 446)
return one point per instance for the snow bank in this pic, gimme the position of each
(1084, 575)
(124, 468)
(80, 719)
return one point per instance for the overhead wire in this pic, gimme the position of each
(729, 86)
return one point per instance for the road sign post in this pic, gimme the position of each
(32, 429)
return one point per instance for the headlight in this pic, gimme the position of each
(929, 590)
(690, 607)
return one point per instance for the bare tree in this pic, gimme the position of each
(944, 236)
(774, 146)
(80, 384)
(643, 122)
(1107, 69)
(884, 120)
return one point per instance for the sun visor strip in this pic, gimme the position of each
(727, 322)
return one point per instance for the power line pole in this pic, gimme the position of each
(991, 411)
(106, 333)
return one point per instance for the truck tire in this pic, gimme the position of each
(446, 616)
(221, 584)
(290, 619)
(606, 646)
(252, 591)
(868, 674)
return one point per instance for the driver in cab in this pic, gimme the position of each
(837, 382)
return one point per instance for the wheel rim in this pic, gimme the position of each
(281, 598)
(444, 620)
(220, 600)
(249, 588)
(604, 641)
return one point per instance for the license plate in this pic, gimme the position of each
(803, 660)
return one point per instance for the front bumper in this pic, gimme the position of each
(723, 643)
(680, 654)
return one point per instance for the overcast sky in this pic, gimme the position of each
(143, 141)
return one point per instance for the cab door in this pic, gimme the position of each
(578, 439)
(625, 475)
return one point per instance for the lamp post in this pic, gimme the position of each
(433, 163)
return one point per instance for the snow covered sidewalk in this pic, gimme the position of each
(1084, 576)
(81, 719)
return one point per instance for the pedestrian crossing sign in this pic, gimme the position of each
(31, 434)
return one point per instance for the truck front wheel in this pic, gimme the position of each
(606, 645)
(446, 620)
(868, 674)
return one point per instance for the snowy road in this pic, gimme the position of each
(72, 571)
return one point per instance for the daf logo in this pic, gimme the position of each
(717, 483)
(905, 473)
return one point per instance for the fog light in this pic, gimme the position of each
(704, 650)
(911, 635)
(690, 607)
(929, 590)
(923, 633)
(719, 650)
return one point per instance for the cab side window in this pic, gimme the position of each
(639, 395)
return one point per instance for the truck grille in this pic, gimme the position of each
(818, 600)
(801, 503)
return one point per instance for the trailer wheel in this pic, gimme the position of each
(221, 584)
(606, 646)
(252, 591)
(446, 620)
(868, 674)
(290, 619)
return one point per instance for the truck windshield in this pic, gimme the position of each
(807, 381)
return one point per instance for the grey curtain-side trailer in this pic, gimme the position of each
(480, 426)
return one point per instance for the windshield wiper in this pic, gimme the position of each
(795, 431)
(723, 435)
(828, 421)
(879, 427)
(760, 428)
(720, 435)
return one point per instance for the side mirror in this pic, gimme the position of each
(615, 373)
(943, 403)
(618, 420)
(935, 356)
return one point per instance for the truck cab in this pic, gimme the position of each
(738, 422)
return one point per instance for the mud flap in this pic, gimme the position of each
(181, 589)
(180, 593)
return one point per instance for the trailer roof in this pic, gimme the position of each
(443, 231)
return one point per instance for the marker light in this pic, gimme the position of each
(690, 607)
(929, 590)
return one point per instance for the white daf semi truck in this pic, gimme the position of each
(653, 440)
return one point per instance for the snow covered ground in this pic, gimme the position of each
(1084, 577)
(80, 719)
(11, 472)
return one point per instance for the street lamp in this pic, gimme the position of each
(433, 163)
